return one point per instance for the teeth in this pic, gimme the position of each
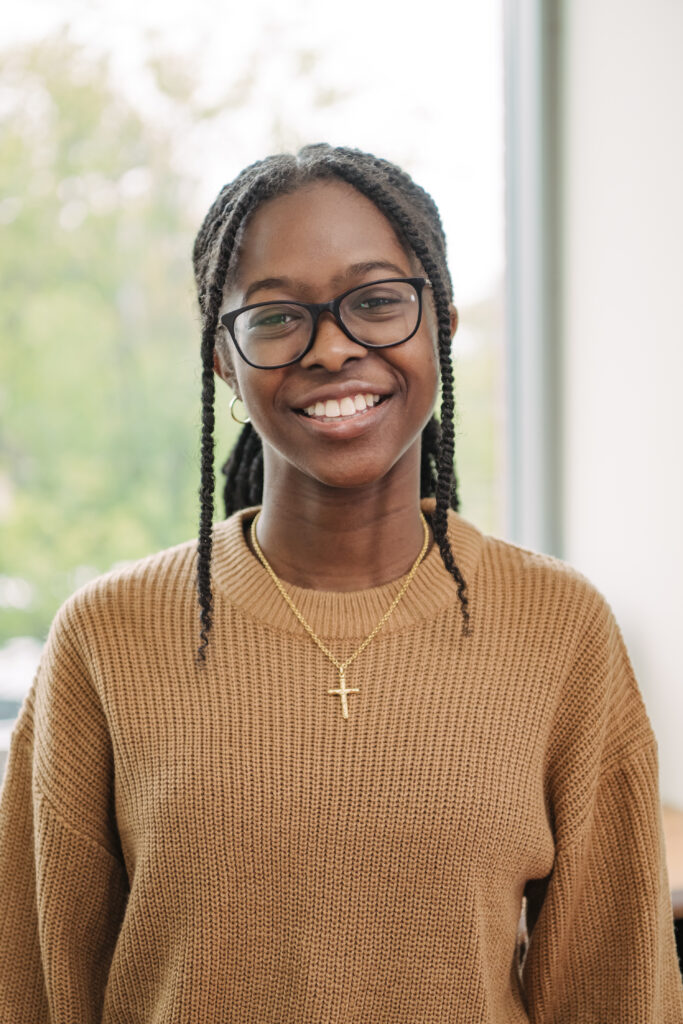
(347, 406)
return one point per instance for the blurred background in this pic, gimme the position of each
(119, 126)
(549, 135)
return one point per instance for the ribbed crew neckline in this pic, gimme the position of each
(239, 576)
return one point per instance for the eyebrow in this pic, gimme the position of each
(355, 270)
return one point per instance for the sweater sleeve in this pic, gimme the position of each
(602, 948)
(63, 883)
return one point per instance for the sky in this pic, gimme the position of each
(420, 84)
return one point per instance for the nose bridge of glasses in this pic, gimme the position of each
(330, 344)
(325, 314)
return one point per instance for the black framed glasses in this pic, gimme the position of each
(269, 335)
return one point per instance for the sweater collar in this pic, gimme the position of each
(239, 576)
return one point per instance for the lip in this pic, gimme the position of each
(345, 428)
(346, 390)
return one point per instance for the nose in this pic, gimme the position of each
(331, 348)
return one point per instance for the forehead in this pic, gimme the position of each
(315, 234)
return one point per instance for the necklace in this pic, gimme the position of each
(341, 666)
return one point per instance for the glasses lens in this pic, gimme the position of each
(273, 333)
(381, 314)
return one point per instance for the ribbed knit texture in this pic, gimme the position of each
(184, 845)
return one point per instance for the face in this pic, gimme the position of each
(310, 246)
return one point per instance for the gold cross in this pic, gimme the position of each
(342, 691)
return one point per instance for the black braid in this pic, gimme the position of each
(431, 436)
(210, 298)
(244, 472)
(415, 217)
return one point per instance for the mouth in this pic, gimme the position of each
(335, 410)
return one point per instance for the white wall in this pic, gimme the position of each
(623, 305)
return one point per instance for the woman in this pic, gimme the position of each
(328, 803)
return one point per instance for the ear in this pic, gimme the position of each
(455, 320)
(224, 370)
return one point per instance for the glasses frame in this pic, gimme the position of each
(316, 308)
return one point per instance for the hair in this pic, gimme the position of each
(414, 216)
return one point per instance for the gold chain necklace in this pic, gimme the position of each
(341, 666)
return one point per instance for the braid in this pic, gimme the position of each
(243, 471)
(206, 491)
(415, 217)
(431, 437)
(210, 298)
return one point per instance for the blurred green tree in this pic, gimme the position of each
(99, 333)
(98, 353)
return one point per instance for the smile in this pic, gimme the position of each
(343, 408)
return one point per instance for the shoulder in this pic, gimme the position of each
(534, 569)
(133, 597)
(540, 612)
(150, 576)
(600, 713)
(555, 598)
(538, 618)
(117, 627)
(521, 583)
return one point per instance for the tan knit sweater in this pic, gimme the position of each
(185, 846)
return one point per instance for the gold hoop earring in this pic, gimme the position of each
(236, 398)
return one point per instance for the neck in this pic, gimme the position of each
(340, 539)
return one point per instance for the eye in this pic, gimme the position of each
(277, 318)
(380, 302)
(270, 321)
(377, 301)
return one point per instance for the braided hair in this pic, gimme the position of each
(415, 218)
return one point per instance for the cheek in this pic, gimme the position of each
(433, 391)
(430, 390)
(434, 364)
(258, 389)
(255, 387)
(428, 370)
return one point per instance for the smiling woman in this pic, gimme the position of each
(331, 796)
(328, 235)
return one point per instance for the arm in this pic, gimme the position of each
(602, 949)
(63, 884)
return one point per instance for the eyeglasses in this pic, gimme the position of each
(269, 335)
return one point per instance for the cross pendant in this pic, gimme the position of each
(342, 691)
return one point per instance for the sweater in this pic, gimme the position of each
(183, 844)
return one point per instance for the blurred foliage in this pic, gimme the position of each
(99, 369)
(99, 335)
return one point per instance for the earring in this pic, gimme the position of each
(237, 398)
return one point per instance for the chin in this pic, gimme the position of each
(339, 467)
(357, 473)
